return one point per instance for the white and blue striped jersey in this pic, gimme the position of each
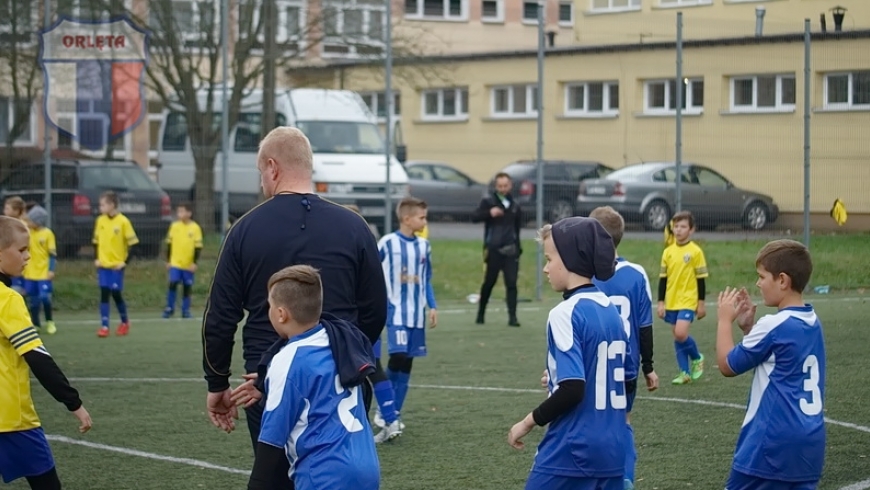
(586, 341)
(783, 434)
(407, 267)
(630, 291)
(321, 425)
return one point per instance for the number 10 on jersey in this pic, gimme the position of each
(607, 371)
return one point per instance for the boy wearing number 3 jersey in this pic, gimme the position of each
(584, 447)
(782, 442)
(630, 291)
(314, 414)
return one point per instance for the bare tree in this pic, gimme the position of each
(19, 72)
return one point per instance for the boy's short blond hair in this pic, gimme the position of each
(611, 221)
(16, 203)
(10, 228)
(545, 232)
(408, 205)
(787, 257)
(299, 290)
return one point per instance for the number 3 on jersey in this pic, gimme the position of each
(624, 306)
(813, 406)
(604, 373)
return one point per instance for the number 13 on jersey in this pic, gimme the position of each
(610, 368)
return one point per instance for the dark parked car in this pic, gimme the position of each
(77, 185)
(561, 179)
(646, 193)
(447, 191)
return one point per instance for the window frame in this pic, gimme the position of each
(283, 35)
(668, 4)
(606, 109)
(499, 18)
(533, 21)
(350, 42)
(191, 37)
(10, 121)
(459, 93)
(849, 105)
(373, 95)
(753, 107)
(420, 13)
(566, 23)
(690, 109)
(530, 112)
(611, 9)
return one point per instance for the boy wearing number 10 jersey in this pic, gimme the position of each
(782, 442)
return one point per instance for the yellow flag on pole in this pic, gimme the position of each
(838, 212)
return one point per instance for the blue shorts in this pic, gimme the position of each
(408, 341)
(18, 284)
(544, 481)
(180, 275)
(742, 481)
(38, 289)
(111, 278)
(671, 316)
(24, 453)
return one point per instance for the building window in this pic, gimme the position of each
(10, 112)
(378, 105)
(763, 93)
(198, 22)
(291, 23)
(354, 27)
(566, 14)
(492, 11)
(18, 21)
(92, 9)
(445, 104)
(74, 118)
(847, 90)
(437, 9)
(592, 99)
(660, 96)
(515, 101)
(614, 5)
(530, 12)
(680, 3)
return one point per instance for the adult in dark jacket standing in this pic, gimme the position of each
(501, 245)
(293, 226)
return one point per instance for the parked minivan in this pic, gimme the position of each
(349, 158)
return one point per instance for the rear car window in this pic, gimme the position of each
(129, 178)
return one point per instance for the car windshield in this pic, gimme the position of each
(127, 178)
(343, 137)
(632, 171)
(518, 169)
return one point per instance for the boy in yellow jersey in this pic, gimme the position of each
(682, 288)
(24, 450)
(183, 246)
(113, 237)
(15, 207)
(39, 271)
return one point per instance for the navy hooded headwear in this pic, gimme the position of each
(585, 247)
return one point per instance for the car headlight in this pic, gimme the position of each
(400, 189)
(340, 188)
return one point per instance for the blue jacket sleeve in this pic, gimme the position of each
(224, 309)
(371, 289)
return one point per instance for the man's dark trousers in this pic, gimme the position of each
(509, 266)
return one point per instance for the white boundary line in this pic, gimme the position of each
(862, 485)
(448, 311)
(143, 454)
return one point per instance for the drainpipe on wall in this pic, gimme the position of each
(759, 20)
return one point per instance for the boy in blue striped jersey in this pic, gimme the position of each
(407, 264)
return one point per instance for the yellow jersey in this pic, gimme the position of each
(113, 236)
(683, 265)
(42, 247)
(184, 239)
(17, 337)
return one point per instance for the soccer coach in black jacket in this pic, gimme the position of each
(501, 244)
(292, 227)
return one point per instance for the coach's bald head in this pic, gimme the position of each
(285, 162)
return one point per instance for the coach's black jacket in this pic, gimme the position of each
(289, 229)
(504, 230)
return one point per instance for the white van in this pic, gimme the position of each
(349, 162)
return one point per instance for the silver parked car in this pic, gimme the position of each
(646, 193)
(447, 191)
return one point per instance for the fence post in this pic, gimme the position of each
(807, 95)
(539, 179)
(225, 116)
(678, 83)
(46, 136)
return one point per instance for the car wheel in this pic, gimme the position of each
(756, 216)
(656, 215)
(560, 210)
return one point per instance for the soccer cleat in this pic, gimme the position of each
(682, 379)
(513, 322)
(186, 314)
(389, 433)
(103, 332)
(698, 368)
(627, 484)
(378, 419)
(50, 328)
(123, 329)
(167, 313)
